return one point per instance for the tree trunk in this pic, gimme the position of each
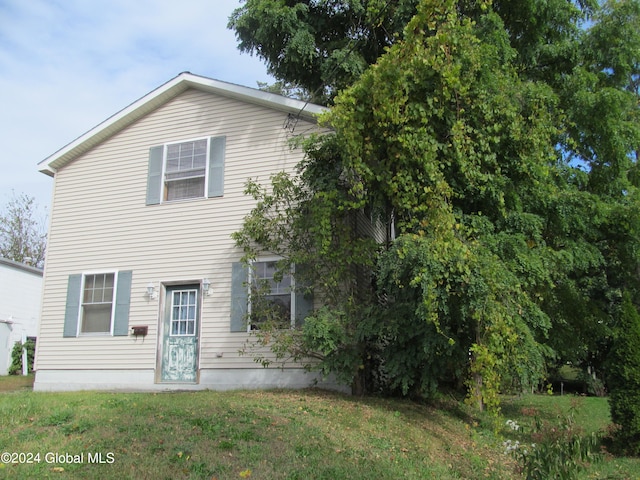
(358, 386)
(477, 390)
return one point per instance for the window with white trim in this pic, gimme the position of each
(184, 309)
(188, 169)
(271, 296)
(185, 170)
(97, 303)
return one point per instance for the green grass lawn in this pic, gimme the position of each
(307, 434)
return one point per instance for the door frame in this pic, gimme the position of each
(163, 302)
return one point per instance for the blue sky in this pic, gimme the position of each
(67, 65)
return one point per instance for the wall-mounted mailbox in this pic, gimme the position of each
(140, 330)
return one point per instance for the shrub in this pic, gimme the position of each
(624, 381)
(560, 451)
(16, 357)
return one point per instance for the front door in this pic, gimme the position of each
(180, 338)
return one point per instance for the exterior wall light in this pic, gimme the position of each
(151, 291)
(206, 284)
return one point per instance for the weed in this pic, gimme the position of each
(247, 436)
(210, 427)
(226, 445)
(201, 470)
(57, 419)
(559, 450)
(77, 427)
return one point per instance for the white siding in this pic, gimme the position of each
(20, 297)
(99, 221)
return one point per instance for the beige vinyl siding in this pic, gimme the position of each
(366, 227)
(99, 221)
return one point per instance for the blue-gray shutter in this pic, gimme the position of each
(216, 166)
(304, 306)
(303, 297)
(72, 309)
(123, 299)
(239, 297)
(154, 177)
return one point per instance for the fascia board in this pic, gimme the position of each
(160, 96)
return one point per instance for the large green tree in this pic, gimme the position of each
(325, 45)
(498, 142)
(460, 149)
(625, 380)
(321, 46)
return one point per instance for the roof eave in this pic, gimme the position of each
(163, 94)
(260, 97)
(21, 266)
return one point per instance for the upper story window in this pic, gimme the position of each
(185, 170)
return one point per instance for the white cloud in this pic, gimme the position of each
(67, 65)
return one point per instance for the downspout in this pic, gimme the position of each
(25, 367)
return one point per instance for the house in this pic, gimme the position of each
(143, 288)
(20, 297)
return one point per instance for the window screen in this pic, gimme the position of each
(185, 170)
(97, 303)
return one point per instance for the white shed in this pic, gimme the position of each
(20, 300)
